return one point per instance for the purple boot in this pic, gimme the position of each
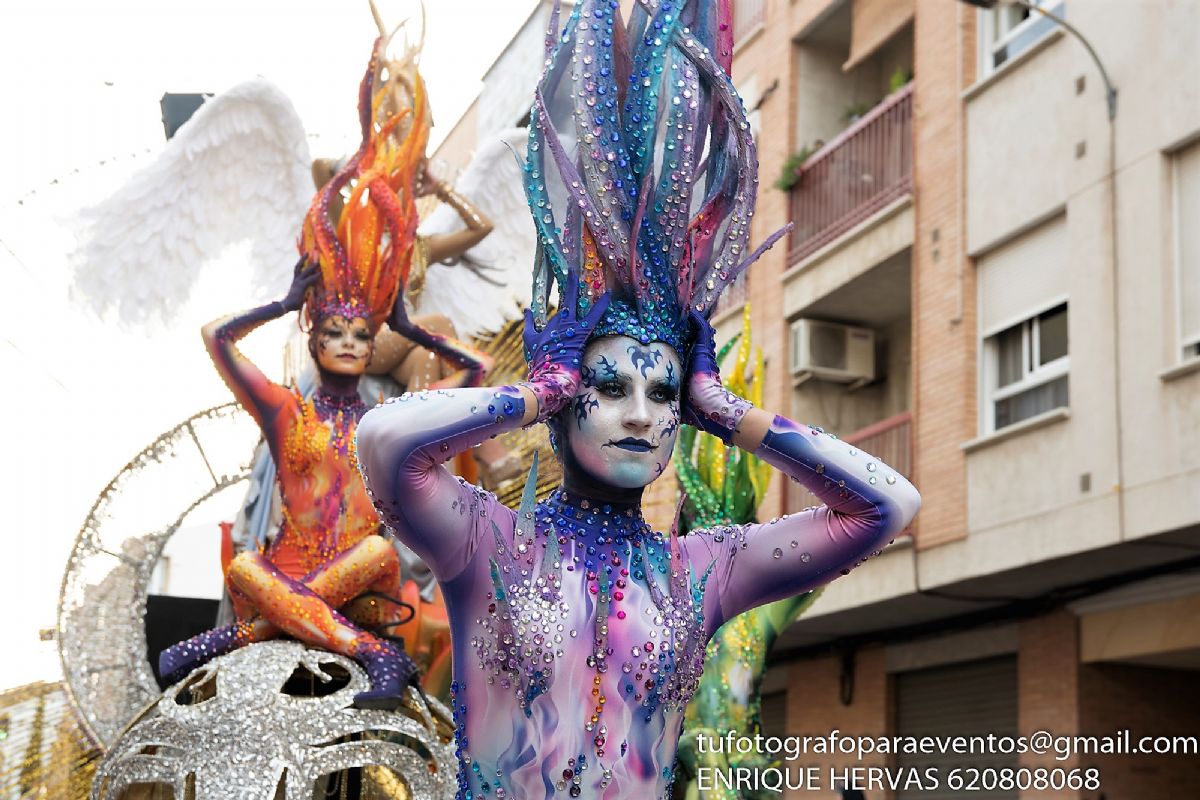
(391, 672)
(178, 660)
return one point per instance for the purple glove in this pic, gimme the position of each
(304, 276)
(707, 404)
(555, 353)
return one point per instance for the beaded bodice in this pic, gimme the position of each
(586, 640)
(326, 509)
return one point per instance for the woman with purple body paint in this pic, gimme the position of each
(578, 632)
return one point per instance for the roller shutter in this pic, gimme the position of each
(971, 699)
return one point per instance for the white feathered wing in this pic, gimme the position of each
(492, 284)
(238, 170)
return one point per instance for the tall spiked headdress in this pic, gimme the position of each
(366, 254)
(652, 172)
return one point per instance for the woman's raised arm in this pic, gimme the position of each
(866, 502)
(262, 398)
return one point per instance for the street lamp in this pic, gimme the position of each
(1110, 95)
(1110, 91)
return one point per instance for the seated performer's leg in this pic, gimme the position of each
(364, 583)
(370, 564)
(416, 368)
(294, 608)
(390, 349)
(289, 605)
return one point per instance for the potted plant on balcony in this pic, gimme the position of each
(789, 176)
(900, 78)
(854, 112)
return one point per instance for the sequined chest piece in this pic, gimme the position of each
(590, 587)
(323, 423)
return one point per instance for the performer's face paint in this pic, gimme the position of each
(343, 346)
(622, 425)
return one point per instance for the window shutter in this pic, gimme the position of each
(1187, 225)
(1023, 277)
(971, 699)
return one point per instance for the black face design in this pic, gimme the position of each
(343, 346)
(626, 412)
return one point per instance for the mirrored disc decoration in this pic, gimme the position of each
(275, 720)
(102, 603)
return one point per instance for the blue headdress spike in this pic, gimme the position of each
(655, 194)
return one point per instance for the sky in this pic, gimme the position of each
(82, 81)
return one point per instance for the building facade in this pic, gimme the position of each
(992, 283)
(1025, 268)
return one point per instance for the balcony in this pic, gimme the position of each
(748, 16)
(861, 171)
(889, 440)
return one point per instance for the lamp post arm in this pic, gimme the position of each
(1110, 91)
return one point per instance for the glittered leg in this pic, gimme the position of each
(364, 582)
(290, 605)
(300, 612)
(178, 660)
(371, 565)
(390, 350)
(391, 606)
(497, 463)
(456, 364)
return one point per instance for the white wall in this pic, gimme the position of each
(1036, 147)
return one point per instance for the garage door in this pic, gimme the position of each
(971, 699)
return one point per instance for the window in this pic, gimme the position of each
(748, 17)
(1008, 30)
(1028, 367)
(1023, 288)
(1186, 180)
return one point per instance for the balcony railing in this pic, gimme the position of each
(889, 440)
(747, 15)
(861, 171)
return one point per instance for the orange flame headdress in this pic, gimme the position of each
(365, 257)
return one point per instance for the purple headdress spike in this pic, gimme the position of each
(594, 217)
(551, 35)
(649, 100)
(604, 162)
(718, 273)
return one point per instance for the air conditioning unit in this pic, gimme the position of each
(832, 352)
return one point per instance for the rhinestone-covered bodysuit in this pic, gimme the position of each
(578, 632)
(589, 628)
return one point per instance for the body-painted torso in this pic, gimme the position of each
(578, 641)
(326, 509)
(528, 657)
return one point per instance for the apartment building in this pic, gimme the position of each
(993, 283)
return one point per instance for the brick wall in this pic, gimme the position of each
(814, 708)
(1048, 689)
(943, 306)
(1149, 701)
(767, 57)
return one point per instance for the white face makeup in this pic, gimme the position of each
(623, 422)
(343, 346)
